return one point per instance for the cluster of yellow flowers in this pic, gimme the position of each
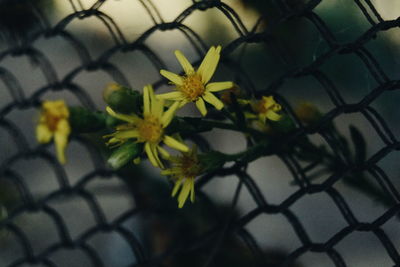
(149, 127)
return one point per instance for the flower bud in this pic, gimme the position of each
(308, 113)
(125, 153)
(83, 120)
(122, 99)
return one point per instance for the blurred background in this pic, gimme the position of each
(73, 49)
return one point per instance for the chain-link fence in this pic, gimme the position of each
(296, 211)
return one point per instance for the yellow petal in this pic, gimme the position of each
(63, 127)
(61, 139)
(126, 134)
(209, 64)
(249, 115)
(276, 107)
(169, 114)
(164, 153)
(192, 190)
(155, 153)
(206, 60)
(56, 108)
(219, 86)
(187, 67)
(183, 195)
(128, 118)
(157, 108)
(244, 101)
(150, 154)
(171, 96)
(175, 78)
(201, 106)
(146, 99)
(273, 116)
(43, 133)
(113, 141)
(268, 101)
(156, 105)
(210, 98)
(173, 143)
(176, 187)
(166, 172)
(263, 117)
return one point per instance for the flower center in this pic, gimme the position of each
(52, 113)
(52, 120)
(192, 87)
(190, 166)
(150, 129)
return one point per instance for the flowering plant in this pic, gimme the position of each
(139, 124)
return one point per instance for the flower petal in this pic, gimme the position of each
(146, 99)
(263, 117)
(61, 139)
(113, 141)
(164, 153)
(169, 114)
(156, 105)
(273, 116)
(155, 153)
(249, 115)
(213, 100)
(126, 134)
(209, 64)
(219, 86)
(205, 61)
(123, 117)
(63, 127)
(173, 143)
(201, 106)
(136, 161)
(157, 108)
(176, 187)
(183, 195)
(192, 190)
(171, 96)
(175, 78)
(268, 101)
(43, 133)
(187, 67)
(150, 154)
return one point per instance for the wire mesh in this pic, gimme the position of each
(215, 239)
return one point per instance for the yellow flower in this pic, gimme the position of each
(266, 108)
(53, 121)
(194, 86)
(149, 129)
(184, 170)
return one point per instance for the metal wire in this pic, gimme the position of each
(229, 223)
